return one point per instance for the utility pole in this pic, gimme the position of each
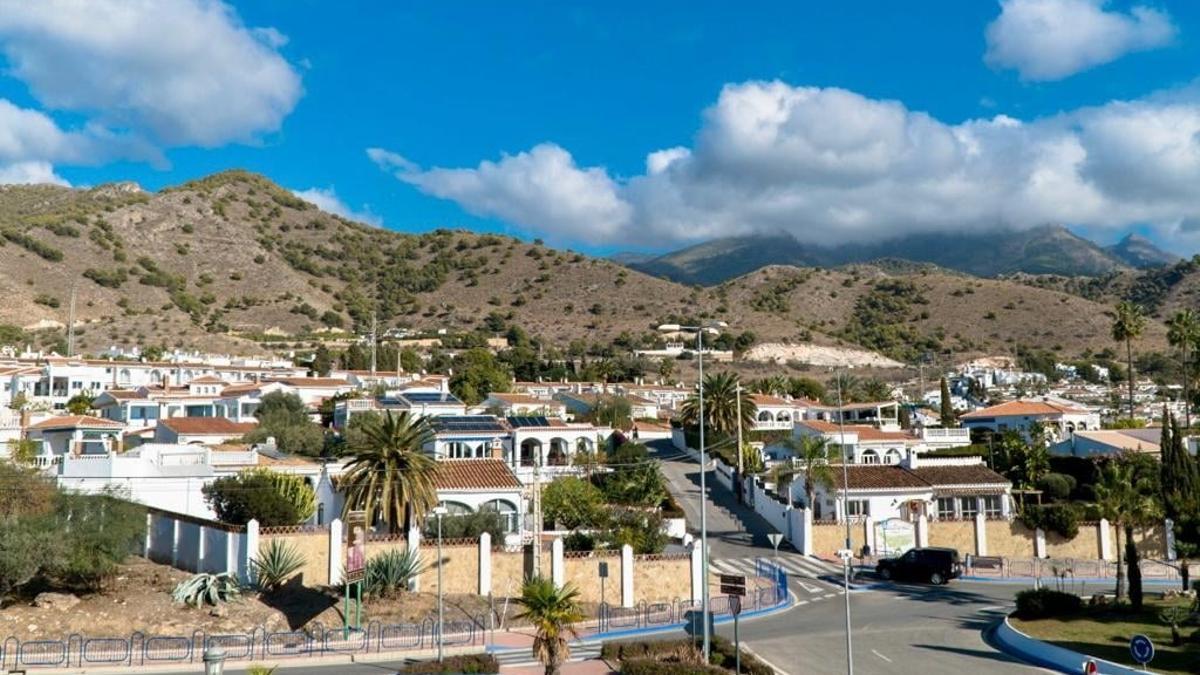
(537, 511)
(71, 325)
(704, 605)
(741, 464)
(845, 517)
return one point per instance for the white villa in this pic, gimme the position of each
(523, 404)
(870, 445)
(1059, 420)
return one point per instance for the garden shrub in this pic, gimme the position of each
(463, 663)
(1059, 518)
(1043, 603)
(652, 667)
(1056, 486)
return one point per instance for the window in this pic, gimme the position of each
(945, 508)
(968, 506)
(858, 507)
(870, 457)
(991, 506)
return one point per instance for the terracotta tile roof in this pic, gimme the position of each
(206, 379)
(207, 426)
(878, 477)
(312, 382)
(773, 401)
(1024, 408)
(525, 399)
(238, 389)
(76, 422)
(865, 433)
(475, 474)
(955, 476)
(124, 395)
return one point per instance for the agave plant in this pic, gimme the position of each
(204, 588)
(275, 564)
(391, 571)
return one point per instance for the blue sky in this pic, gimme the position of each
(880, 117)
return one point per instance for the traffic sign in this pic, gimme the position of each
(1142, 649)
(733, 590)
(735, 604)
(775, 538)
(733, 580)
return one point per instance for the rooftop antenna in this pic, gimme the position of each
(71, 325)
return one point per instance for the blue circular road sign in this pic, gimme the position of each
(1142, 649)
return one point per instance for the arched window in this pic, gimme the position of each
(507, 511)
(783, 417)
(558, 452)
(765, 416)
(892, 456)
(530, 449)
(456, 509)
(869, 457)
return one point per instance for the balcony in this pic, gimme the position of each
(946, 436)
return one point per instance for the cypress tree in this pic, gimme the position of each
(1187, 474)
(947, 412)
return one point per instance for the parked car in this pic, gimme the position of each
(935, 565)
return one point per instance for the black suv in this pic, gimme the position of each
(935, 565)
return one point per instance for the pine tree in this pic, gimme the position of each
(947, 411)
(322, 362)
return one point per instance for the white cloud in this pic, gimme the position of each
(327, 199)
(29, 173)
(1053, 39)
(531, 189)
(831, 166)
(175, 72)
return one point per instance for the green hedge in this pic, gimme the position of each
(1042, 603)
(465, 663)
(652, 667)
(664, 653)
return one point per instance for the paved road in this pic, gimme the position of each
(898, 628)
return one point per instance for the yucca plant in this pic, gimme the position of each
(275, 564)
(256, 669)
(391, 571)
(204, 588)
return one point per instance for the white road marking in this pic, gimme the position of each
(881, 656)
(807, 588)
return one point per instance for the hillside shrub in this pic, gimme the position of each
(1056, 486)
(1062, 519)
(251, 495)
(463, 663)
(1042, 603)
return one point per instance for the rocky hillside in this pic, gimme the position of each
(224, 262)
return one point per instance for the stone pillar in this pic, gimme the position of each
(806, 539)
(200, 552)
(175, 542)
(869, 533)
(250, 543)
(335, 552)
(413, 543)
(627, 576)
(1169, 538)
(231, 554)
(922, 531)
(1106, 544)
(1039, 543)
(558, 570)
(149, 543)
(980, 534)
(485, 563)
(697, 573)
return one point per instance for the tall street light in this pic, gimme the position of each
(708, 327)
(846, 517)
(438, 513)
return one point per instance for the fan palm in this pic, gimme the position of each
(1183, 331)
(812, 460)
(389, 476)
(776, 385)
(1123, 500)
(553, 613)
(875, 390)
(721, 395)
(1128, 323)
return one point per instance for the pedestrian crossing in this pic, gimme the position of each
(519, 658)
(807, 574)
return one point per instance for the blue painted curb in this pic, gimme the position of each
(1047, 580)
(1017, 644)
(651, 630)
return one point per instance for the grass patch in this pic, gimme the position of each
(1104, 633)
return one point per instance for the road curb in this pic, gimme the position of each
(1080, 580)
(1015, 643)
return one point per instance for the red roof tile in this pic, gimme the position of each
(1024, 408)
(475, 474)
(207, 426)
(76, 422)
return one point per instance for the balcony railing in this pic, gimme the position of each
(772, 425)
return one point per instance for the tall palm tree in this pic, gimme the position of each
(389, 476)
(1124, 501)
(776, 385)
(720, 405)
(553, 613)
(1183, 331)
(1128, 323)
(812, 460)
(874, 389)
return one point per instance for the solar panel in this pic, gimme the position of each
(529, 421)
(467, 423)
(429, 397)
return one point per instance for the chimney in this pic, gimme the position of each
(498, 451)
(166, 382)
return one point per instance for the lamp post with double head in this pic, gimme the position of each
(711, 327)
(438, 513)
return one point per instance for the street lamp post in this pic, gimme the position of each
(214, 660)
(847, 552)
(704, 600)
(438, 513)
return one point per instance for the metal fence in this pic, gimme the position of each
(139, 649)
(1081, 568)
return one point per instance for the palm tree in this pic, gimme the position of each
(389, 476)
(1183, 331)
(812, 459)
(776, 385)
(875, 389)
(1122, 497)
(1128, 323)
(553, 613)
(720, 405)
